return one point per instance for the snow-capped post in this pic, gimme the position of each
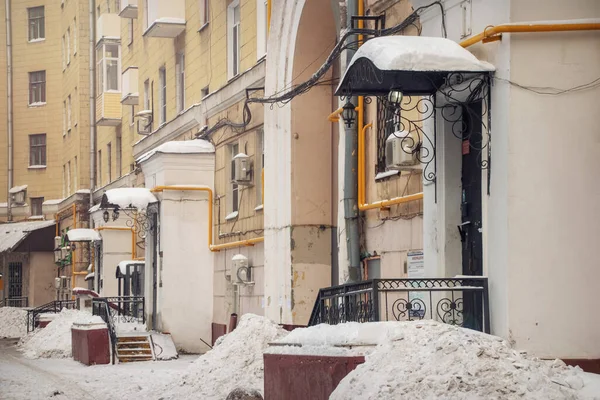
(232, 322)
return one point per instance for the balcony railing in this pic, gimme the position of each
(14, 302)
(122, 309)
(461, 301)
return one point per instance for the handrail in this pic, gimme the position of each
(494, 33)
(217, 247)
(107, 318)
(54, 306)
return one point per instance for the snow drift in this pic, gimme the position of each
(236, 361)
(13, 322)
(431, 360)
(54, 341)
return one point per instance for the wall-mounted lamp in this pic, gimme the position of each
(395, 97)
(349, 114)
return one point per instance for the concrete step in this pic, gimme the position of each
(125, 359)
(129, 345)
(125, 339)
(127, 352)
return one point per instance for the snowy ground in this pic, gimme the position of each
(65, 379)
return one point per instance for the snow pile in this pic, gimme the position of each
(236, 361)
(431, 360)
(13, 322)
(83, 235)
(54, 341)
(137, 197)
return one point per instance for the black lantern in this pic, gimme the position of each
(115, 214)
(349, 114)
(395, 97)
(105, 216)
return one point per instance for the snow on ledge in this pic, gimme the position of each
(386, 174)
(83, 235)
(17, 189)
(122, 267)
(196, 146)
(138, 198)
(419, 53)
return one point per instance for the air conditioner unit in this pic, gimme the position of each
(57, 282)
(64, 252)
(18, 198)
(65, 282)
(241, 272)
(401, 151)
(144, 122)
(57, 242)
(241, 169)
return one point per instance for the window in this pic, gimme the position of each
(69, 113)
(180, 81)
(75, 175)
(130, 31)
(260, 162)
(37, 150)
(147, 94)
(37, 27)
(119, 155)
(98, 12)
(132, 115)
(234, 186)
(109, 161)
(64, 57)
(36, 205)
(99, 167)
(68, 46)
(69, 178)
(262, 29)
(37, 87)
(117, 6)
(146, 16)
(74, 36)
(108, 67)
(204, 6)
(162, 87)
(64, 188)
(64, 118)
(233, 39)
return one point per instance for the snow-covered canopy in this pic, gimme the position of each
(11, 235)
(195, 146)
(138, 198)
(17, 189)
(396, 59)
(83, 235)
(122, 267)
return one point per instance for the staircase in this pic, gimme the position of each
(134, 348)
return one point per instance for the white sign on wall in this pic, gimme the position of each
(415, 266)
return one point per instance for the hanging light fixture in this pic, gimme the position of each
(105, 215)
(349, 114)
(395, 97)
(115, 214)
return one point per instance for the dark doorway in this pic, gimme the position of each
(471, 210)
(154, 231)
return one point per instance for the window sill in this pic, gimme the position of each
(387, 174)
(69, 130)
(34, 105)
(39, 40)
(231, 216)
(36, 167)
(36, 218)
(203, 27)
(259, 208)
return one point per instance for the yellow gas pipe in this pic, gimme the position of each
(217, 247)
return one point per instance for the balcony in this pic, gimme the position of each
(129, 9)
(108, 27)
(164, 19)
(108, 109)
(461, 301)
(129, 87)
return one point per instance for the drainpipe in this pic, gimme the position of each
(9, 130)
(92, 110)
(350, 172)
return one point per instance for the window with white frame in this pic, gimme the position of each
(162, 88)
(37, 23)
(64, 56)
(204, 10)
(64, 118)
(37, 87)
(74, 36)
(69, 113)
(147, 94)
(260, 162)
(180, 81)
(233, 39)
(108, 71)
(234, 204)
(37, 150)
(68, 46)
(261, 28)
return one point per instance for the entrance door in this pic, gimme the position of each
(471, 226)
(15, 280)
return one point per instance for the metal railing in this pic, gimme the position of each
(55, 306)
(461, 301)
(20, 302)
(101, 307)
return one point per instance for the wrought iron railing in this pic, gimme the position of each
(55, 306)
(14, 302)
(461, 301)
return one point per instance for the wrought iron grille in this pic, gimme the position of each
(15, 280)
(51, 307)
(460, 301)
(122, 309)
